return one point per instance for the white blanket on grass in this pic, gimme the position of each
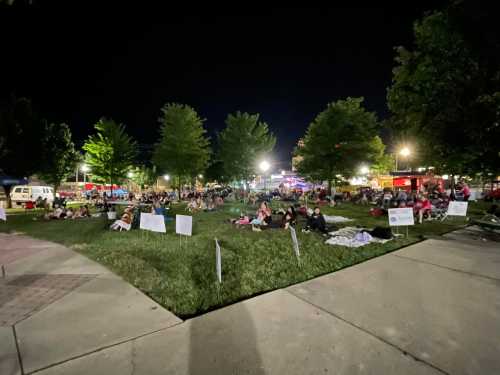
(347, 237)
(336, 219)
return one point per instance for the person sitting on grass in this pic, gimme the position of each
(70, 213)
(289, 218)
(125, 221)
(316, 221)
(192, 206)
(264, 216)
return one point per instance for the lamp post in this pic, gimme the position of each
(85, 168)
(264, 167)
(404, 152)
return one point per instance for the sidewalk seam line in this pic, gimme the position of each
(404, 352)
(445, 267)
(19, 358)
(101, 349)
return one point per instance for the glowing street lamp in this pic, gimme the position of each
(130, 174)
(405, 152)
(200, 176)
(364, 169)
(166, 177)
(264, 166)
(283, 172)
(84, 168)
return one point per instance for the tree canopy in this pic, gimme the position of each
(446, 91)
(183, 150)
(110, 151)
(59, 156)
(244, 141)
(338, 141)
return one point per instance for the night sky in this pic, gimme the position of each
(79, 61)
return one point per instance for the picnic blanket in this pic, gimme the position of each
(336, 219)
(352, 237)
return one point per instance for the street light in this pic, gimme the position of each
(200, 176)
(364, 169)
(84, 168)
(166, 177)
(404, 152)
(264, 167)
(130, 174)
(283, 172)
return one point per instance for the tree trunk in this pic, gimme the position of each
(330, 187)
(7, 189)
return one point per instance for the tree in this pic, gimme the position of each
(143, 175)
(110, 152)
(59, 156)
(183, 150)
(382, 162)
(244, 141)
(20, 146)
(446, 92)
(338, 141)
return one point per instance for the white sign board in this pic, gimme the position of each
(218, 264)
(3, 216)
(184, 224)
(154, 223)
(401, 216)
(295, 242)
(457, 208)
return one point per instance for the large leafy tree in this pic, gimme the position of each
(20, 140)
(59, 157)
(183, 150)
(338, 141)
(244, 141)
(143, 175)
(446, 91)
(110, 151)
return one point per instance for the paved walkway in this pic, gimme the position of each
(431, 308)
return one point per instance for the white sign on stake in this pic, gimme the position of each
(218, 263)
(154, 223)
(295, 242)
(401, 216)
(184, 225)
(3, 216)
(457, 208)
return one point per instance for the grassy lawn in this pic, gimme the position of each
(183, 279)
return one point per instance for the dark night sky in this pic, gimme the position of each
(82, 62)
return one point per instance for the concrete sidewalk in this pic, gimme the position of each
(61, 305)
(431, 308)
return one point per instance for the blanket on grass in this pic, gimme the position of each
(352, 237)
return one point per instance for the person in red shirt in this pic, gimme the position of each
(464, 188)
(422, 206)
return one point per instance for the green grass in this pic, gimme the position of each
(183, 278)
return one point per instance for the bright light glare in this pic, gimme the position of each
(364, 169)
(264, 166)
(85, 168)
(283, 172)
(130, 174)
(445, 177)
(166, 177)
(405, 151)
(200, 176)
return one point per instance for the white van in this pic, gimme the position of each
(20, 194)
